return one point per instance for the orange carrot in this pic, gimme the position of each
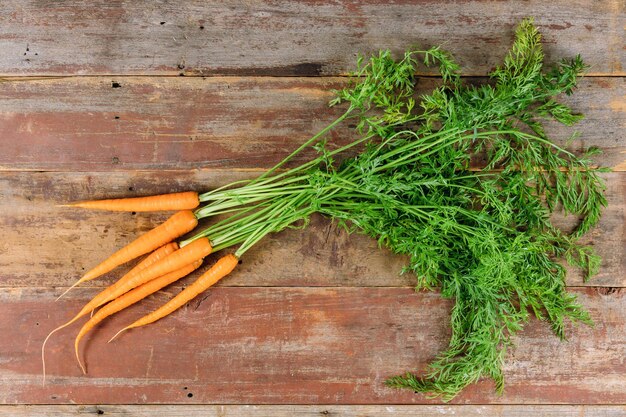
(176, 201)
(130, 298)
(177, 225)
(222, 267)
(158, 254)
(155, 256)
(194, 251)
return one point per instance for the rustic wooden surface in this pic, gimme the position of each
(220, 122)
(167, 37)
(315, 410)
(327, 255)
(288, 345)
(116, 98)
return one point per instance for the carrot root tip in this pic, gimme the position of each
(118, 333)
(68, 290)
(43, 352)
(82, 367)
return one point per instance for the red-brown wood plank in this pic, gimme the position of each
(289, 38)
(179, 410)
(311, 316)
(293, 346)
(45, 245)
(84, 124)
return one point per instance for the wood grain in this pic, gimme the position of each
(109, 99)
(314, 410)
(293, 346)
(295, 38)
(112, 123)
(48, 246)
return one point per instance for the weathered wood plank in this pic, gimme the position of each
(293, 346)
(44, 245)
(176, 123)
(295, 38)
(314, 410)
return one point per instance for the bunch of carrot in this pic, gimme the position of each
(253, 214)
(167, 262)
(484, 237)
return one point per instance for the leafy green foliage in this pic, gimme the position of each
(484, 238)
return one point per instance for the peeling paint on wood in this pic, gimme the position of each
(297, 38)
(293, 346)
(335, 319)
(84, 124)
(315, 410)
(51, 246)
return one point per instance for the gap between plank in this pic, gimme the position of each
(16, 78)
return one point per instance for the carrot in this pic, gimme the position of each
(130, 298)
(177, 225)
(158, 254)
(176, 201)
(155, 256)
(222, 267)
(194, 251)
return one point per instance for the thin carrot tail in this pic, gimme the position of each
(82, 367)
(43, 348)
(68, 290)
(118, 333)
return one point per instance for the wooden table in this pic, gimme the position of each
(115, 98)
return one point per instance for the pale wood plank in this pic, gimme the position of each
(294, 38)
(45, 245)
(293, 346)
(83, 124)
(314, 410)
